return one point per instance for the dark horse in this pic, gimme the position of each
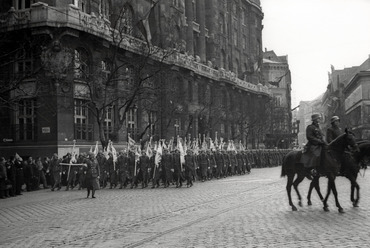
(329, 167)
(351, 165)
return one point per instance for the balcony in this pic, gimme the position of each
(40, 14)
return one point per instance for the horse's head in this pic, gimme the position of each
(343, 141)
(350, 140)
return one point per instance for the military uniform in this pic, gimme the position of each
(314, 135)
(167, 168)
(144, 166)
(92, 173)
(55, 170)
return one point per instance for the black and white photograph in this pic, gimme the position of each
(184, 123)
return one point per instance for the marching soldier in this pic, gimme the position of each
(122, 164)
(167, 168)
(55, 170)
(219, 163)
(225, 170)
(144, 167)
(203, 164)
(177, 166)
(156, 171)
(92, 174)
(212, 164)
(190, 164)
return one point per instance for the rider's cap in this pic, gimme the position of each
(334, 118)
(315, 117)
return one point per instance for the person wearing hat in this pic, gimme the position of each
(312, 152)
(92, 174)
(334, 131)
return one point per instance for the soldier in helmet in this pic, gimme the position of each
(92, 174)
(313, 150)
(334, 131)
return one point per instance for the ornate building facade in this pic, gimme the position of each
(99, 70)
(276, 74)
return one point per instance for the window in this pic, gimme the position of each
(23, 63)
(194, 5)
(222, 128)
(26, 120)
(103, 8)
(152, 120)
(75, 3)
(81, 62)
(108, 122)
(177, 126)
(190, 91)
(83, 130)
(23, 4)
(127, 20)
(131, 120)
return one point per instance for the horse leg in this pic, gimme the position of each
(298, 180)
(289, 189)
(326, 207)
(354, 187)
(335, 193)
(317, 187)
(314, 184)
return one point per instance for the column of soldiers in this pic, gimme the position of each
(132, 170)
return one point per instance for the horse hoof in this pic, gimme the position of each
(326, 209)
(294, 208)
(340, 210)
(309, 203)
(355, 205)
(300, 203)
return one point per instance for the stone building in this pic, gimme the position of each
(276, 74)
(99, 70)
(347, 96)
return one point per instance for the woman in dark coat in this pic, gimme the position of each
(92, 174)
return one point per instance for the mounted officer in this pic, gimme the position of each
(334, 131)
(313, 150)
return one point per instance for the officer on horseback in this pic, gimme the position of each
(334, 131)
(312, 152)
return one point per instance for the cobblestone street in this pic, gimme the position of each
(240, 211)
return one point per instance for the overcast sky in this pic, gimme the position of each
(316, 34)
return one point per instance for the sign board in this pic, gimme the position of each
(45, 129)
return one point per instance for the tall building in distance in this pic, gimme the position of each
(276, 74)
(99, 70)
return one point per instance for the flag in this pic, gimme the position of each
(17, 157)
(96, 151)
(216, 140)
(158, 156)
(211, 145)
(131, 142)
(182, 152)
(105, 152)
(149, 151)
(74, 153)
(228, 146)
(114, 152)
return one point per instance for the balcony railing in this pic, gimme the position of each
(40, 14)
(84, 132)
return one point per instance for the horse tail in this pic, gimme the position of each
(283, 165)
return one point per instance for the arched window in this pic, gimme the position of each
(81, 63)
(127, 20)
(104, 8)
